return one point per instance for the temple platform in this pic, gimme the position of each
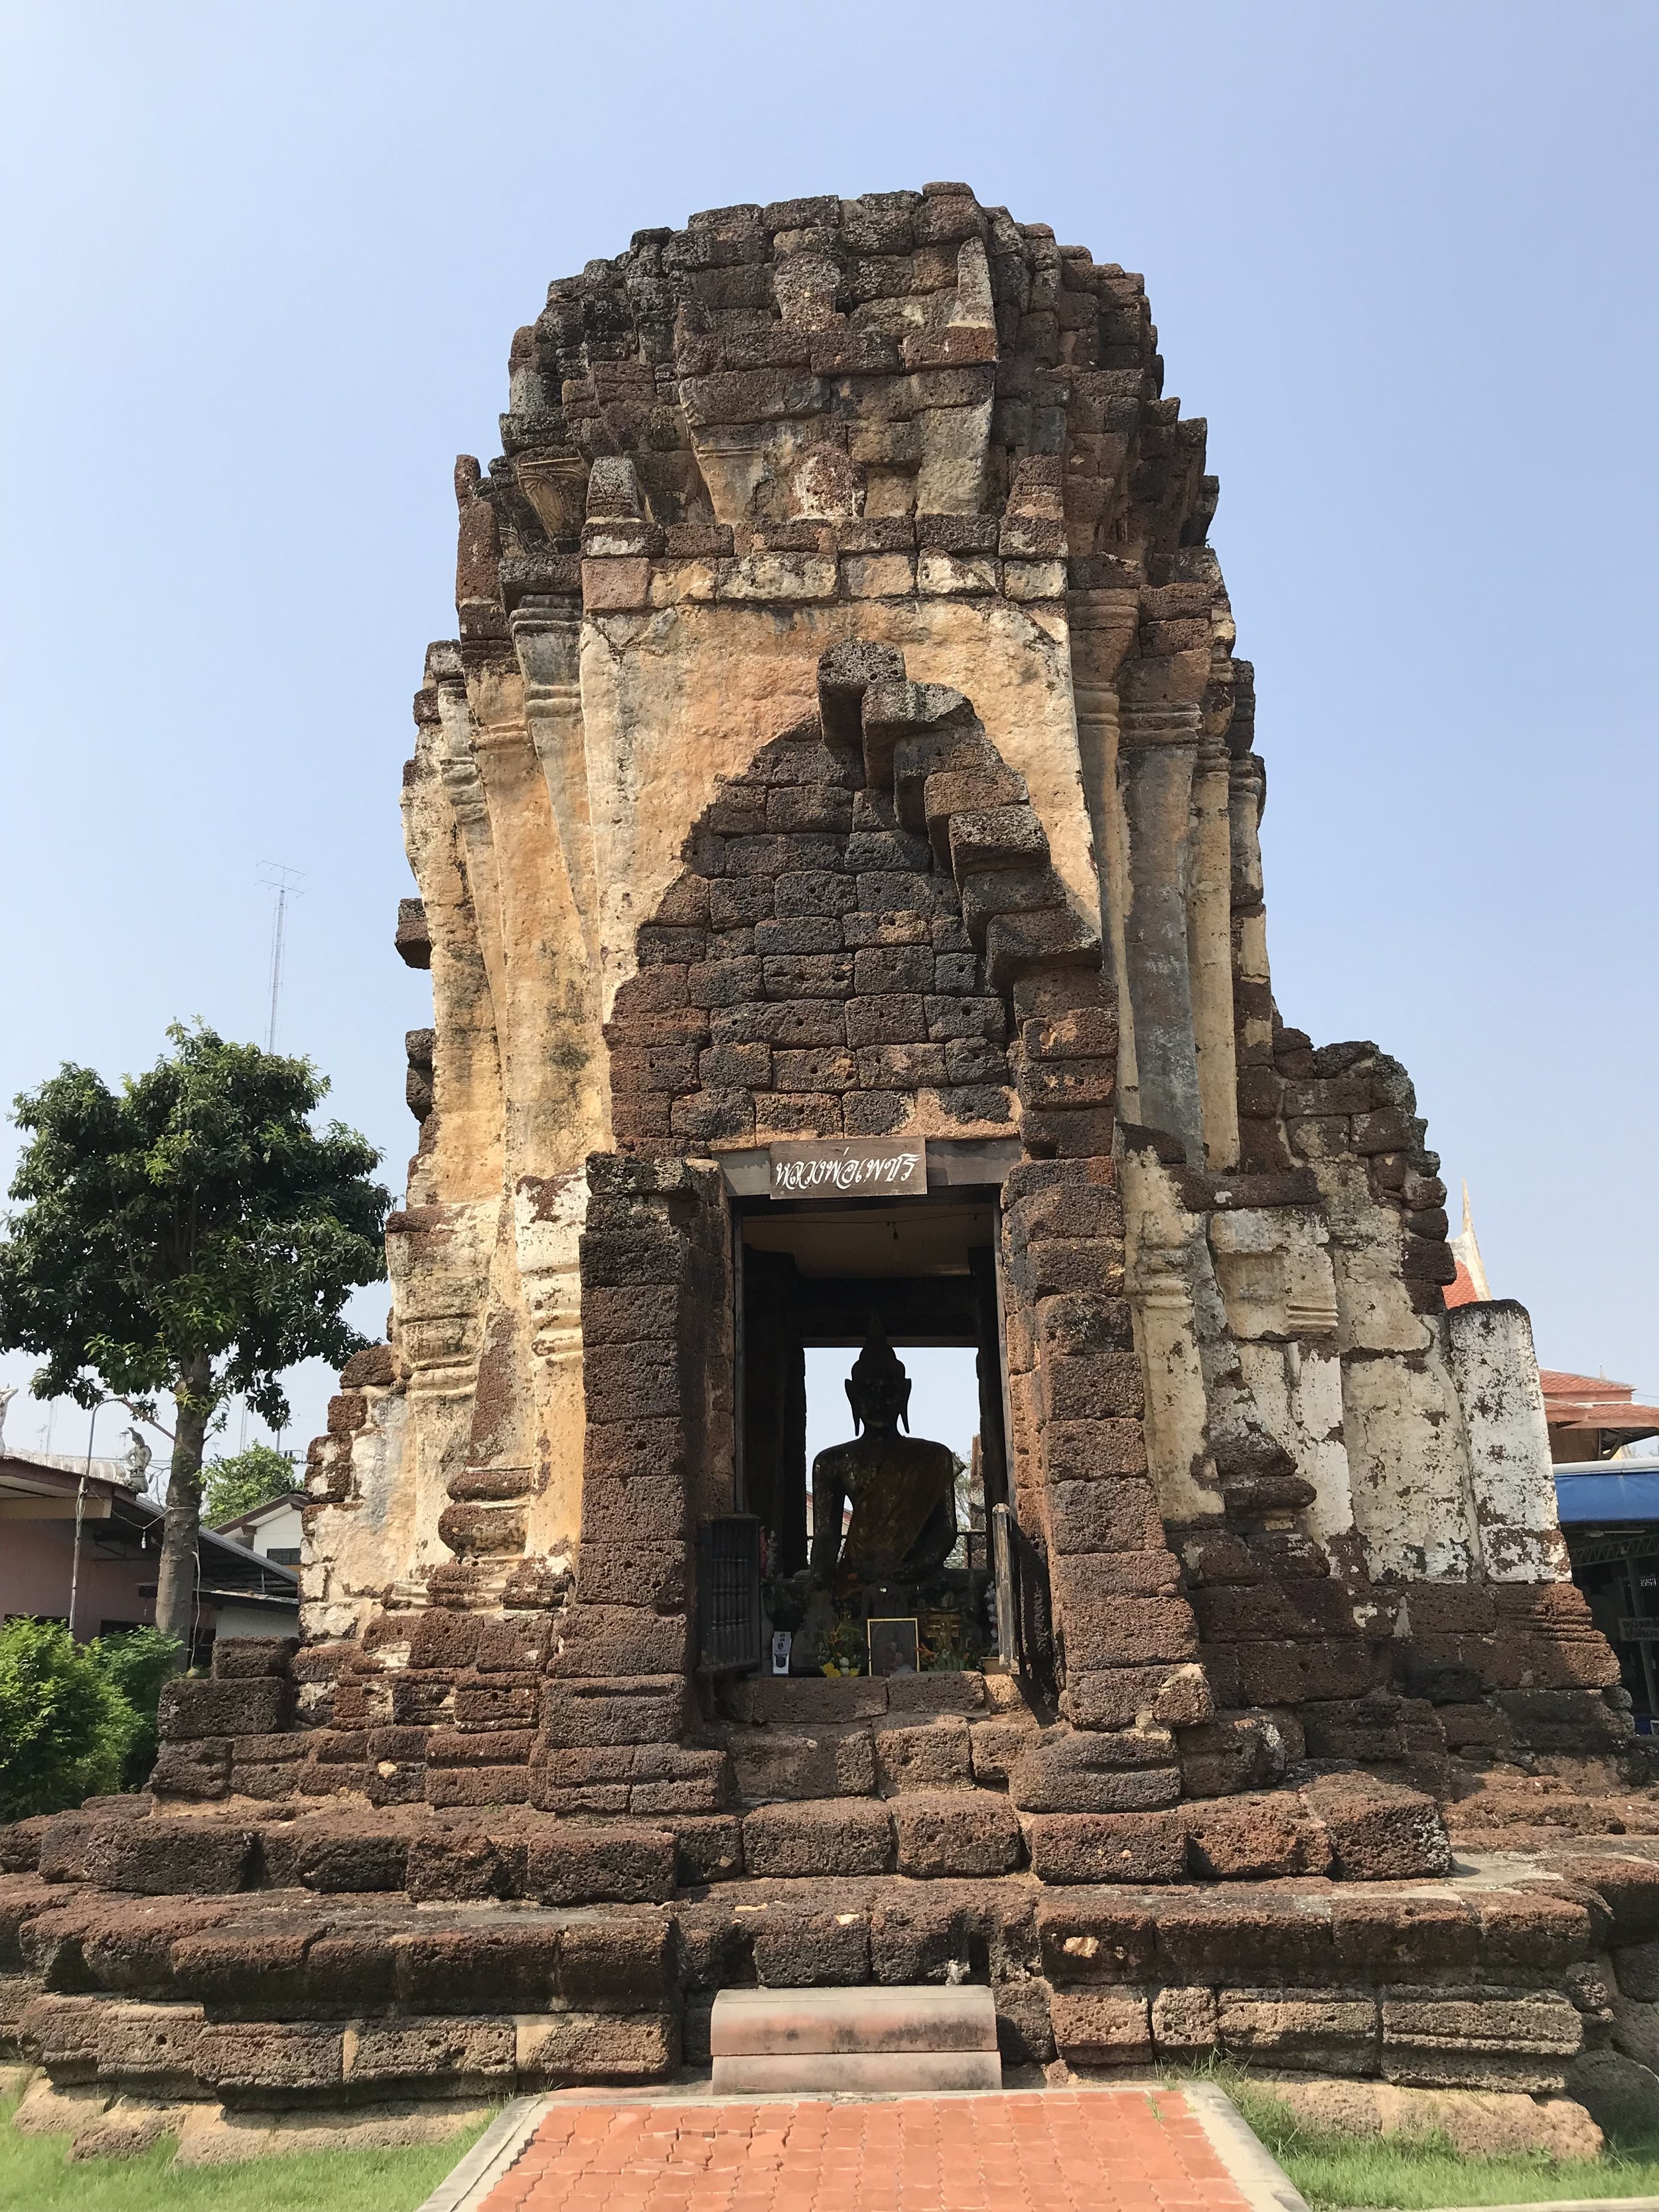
(332, 1957)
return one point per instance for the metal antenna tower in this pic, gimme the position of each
(285, 882)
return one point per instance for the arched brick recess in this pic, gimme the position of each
(839, 955)
(867, 914)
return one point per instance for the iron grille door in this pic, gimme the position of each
(729, 1591)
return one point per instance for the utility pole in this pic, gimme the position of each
(80, 1515)
(285, 881)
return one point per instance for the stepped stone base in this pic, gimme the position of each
(316, 1963)
(309, 1948)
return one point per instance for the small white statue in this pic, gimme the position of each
(138, 1459)
(7, 1393)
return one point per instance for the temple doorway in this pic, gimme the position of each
(851, 1291)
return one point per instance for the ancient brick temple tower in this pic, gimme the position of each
(844, 755)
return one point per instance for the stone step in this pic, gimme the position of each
(758, 1700)
(882, 2074)
(917, 2038)
(920, 2016)
(782, 1762)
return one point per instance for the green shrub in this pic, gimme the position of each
(65, 1727)
(136, 1664)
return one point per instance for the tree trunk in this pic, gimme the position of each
(175, 1594)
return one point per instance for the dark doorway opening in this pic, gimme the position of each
(815, 1279)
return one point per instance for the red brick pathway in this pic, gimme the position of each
(1052, 2150)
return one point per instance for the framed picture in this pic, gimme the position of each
(892, 1647)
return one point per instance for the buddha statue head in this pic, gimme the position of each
(878, 1389)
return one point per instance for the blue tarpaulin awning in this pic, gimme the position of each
(1605, 1495)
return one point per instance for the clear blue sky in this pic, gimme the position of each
(261, 268)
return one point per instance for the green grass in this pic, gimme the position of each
(1418, 2173)
(35, 2176)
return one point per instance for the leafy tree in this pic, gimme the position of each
(191, 1233)
(136, 1663)
(65, 1727)
(239, 1481)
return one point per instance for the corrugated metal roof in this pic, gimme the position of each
(136, 1519)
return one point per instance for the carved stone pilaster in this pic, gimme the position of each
(1158, 749)
(1209, 942)
(547, 636)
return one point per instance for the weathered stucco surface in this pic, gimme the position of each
(673, 702)
(1511, 1481)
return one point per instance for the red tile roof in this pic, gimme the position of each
(1591, 1401)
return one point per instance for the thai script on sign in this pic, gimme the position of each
(852, 1169)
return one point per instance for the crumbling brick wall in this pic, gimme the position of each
(810, 975)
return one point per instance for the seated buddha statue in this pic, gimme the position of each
(903, 1488)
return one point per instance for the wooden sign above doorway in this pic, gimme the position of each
(855, 1167)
